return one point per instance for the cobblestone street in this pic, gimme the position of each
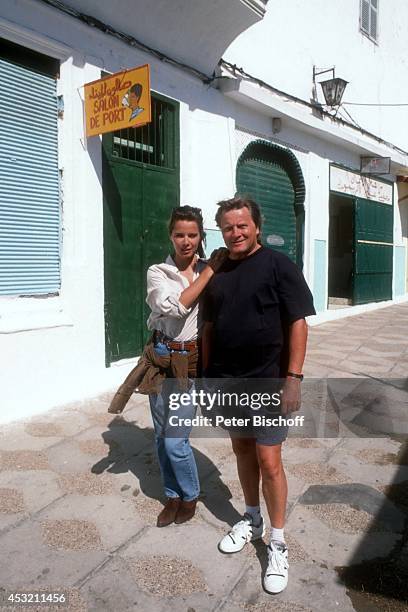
(80, 492)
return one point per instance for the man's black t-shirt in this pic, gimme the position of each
(250, 301)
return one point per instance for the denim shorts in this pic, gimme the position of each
(262, 423)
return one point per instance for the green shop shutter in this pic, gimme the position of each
(373, 251)
(29, 188)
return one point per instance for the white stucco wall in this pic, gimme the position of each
(296, 35)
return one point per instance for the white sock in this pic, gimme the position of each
(277, 535)
(255, 513)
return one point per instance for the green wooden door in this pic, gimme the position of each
(140, 176)
(373, 251)
(160, 195)
(270, 186)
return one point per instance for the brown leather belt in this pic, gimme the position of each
(175, 345)
(182, 346)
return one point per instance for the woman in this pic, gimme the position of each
(173, 288)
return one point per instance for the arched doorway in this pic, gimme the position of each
(272, 176)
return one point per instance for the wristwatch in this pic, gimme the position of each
(294, 375)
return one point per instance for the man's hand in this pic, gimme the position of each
(217, 258)
(291, 395)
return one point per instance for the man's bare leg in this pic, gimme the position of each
(274, 485)
(275, 491)
(248, 468)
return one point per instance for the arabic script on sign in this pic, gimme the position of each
(345, 181)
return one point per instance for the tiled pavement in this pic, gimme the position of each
(375, 343)
(80, 491)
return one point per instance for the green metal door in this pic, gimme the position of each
(140, 177)
(373, 251)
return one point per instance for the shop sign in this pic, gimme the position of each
(351, 183)
(375, 165)
(121, 100)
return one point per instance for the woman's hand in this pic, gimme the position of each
(192, 293)
(217, 258)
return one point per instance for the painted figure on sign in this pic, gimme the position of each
(132, 99)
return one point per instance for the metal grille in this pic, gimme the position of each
(148, 144)
(29, 188)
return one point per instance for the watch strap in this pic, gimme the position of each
(294, 375)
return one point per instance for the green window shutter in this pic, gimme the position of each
(29, 188)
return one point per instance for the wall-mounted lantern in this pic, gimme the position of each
(333, 89)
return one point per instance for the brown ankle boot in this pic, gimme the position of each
(186, 511)
(168, 514)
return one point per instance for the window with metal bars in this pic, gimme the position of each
(369, 18)
(151, 143)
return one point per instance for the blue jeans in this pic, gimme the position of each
(176, 459)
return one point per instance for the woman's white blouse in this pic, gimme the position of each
(165, 283)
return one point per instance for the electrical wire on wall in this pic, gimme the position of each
(207, 80)
(374, 104)
(93, 22)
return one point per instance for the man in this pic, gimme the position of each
(257, 294)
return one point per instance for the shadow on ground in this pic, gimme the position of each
(381, 584)
(132, 449)
(373, 408)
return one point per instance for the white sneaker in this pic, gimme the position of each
(241, 533)
(276, 575)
